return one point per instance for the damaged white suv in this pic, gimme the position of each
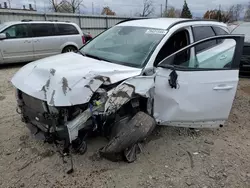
(137, 74)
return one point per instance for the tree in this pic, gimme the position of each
(148, 8)
(75, 5)
(213, 14)
(172, 12)
(237, 10)
(234, 12)
(67, 6)
(107, 11)
(247, 13)
(222, 16)
(185, 11)
(54, 5)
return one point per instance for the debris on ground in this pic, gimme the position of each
(164, 161)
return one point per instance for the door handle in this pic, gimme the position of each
(223, 57)
(36, 40)
(223, 87)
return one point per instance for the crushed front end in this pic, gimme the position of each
(60, 124)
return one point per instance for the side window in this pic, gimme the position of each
(203, 32)
(219, 58)
(43, 30)
(66, 29)
(219, 31)
(176, 42)
(17, 31)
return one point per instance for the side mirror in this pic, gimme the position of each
(2, 36)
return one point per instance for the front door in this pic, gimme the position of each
(18, 46)
(189, 94)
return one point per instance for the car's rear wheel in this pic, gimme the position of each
(69, 49)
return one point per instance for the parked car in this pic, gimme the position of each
(26, 41)
(132, 77)
(87, 36)
(244, 28)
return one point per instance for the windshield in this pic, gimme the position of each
(125, 45)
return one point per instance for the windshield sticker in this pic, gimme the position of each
(156, 31)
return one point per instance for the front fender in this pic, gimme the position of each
(123, 93)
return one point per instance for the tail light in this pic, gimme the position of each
(83, 40)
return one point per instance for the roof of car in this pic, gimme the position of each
(28, 21)
(163, 23)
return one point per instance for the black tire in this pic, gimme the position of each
(137, 129)
(69, 49)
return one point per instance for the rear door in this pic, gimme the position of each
(69, 35)
(18, 46)
(45, 41)
(187, 95)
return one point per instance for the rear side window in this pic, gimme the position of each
(219, 31)
(43, 30)
(66, 29)
(203, 32)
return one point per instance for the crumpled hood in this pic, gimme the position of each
(68, 79)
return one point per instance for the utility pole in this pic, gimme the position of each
(35, 4)
(92, 8)
(161, 10)
(166, 5)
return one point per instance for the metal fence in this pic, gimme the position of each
(94, 24)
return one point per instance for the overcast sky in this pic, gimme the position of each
(131, 7)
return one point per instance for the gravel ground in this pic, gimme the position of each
(173, 157)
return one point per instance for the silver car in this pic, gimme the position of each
(25, 41)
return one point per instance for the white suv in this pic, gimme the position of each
(135, 75)
(26, 40)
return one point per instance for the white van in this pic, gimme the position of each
(25, 41)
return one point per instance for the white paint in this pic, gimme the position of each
(166, 22)
(142, 84)
(78, 71)
(196, 99)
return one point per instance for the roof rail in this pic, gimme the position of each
(131, 19)
(26, 20)
(52, 20)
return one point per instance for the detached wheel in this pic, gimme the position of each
(69, 49)
(127, 138)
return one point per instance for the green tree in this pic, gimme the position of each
(185, 11)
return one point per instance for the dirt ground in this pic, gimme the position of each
(173, 158)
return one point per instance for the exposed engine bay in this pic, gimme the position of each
(114, 111)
